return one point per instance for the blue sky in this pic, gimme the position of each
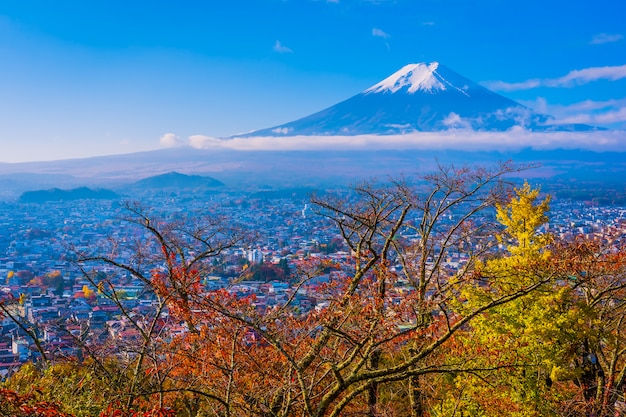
(82, 78)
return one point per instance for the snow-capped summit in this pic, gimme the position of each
(419, 97)
(412, 77)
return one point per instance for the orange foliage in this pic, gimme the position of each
(27, 405)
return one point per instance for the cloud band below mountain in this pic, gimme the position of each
(513, 139)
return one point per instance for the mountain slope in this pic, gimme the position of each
(418, 97)
(178, 181)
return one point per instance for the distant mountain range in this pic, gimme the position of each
(419, 98)
(171, 181)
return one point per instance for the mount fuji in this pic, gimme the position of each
(419, 117)
(420, 98)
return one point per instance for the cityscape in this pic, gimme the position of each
(41, 242)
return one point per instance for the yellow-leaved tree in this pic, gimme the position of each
(514, 342)
(561, 351)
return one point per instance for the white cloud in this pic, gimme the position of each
(609, 113)
(589, 105)
(504, 86)
(171, 140)
(616, 116)
(606, 118)
(282, 49)
(573, 78)
(514, 139)
(380, 33)
(587, 75)
(454, 121)
(541, 105)
(605, 38)
(203, 141)
(282, 130)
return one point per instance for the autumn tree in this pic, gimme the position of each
(169, 259)
(74, 388)
(513, 335)
(562, 350)
(384, 318)
(15, 404)
(594, 269)
(381, 325)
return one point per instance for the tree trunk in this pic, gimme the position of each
(415, 396)
(372, 390)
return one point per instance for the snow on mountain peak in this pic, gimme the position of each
(417, 77)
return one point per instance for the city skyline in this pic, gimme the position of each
(102, 78)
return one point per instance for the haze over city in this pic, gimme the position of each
(85, 79)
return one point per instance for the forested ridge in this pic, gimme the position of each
(528, 325)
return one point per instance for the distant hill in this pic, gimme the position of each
(12, 185)
(176, 180)
(56, 194)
